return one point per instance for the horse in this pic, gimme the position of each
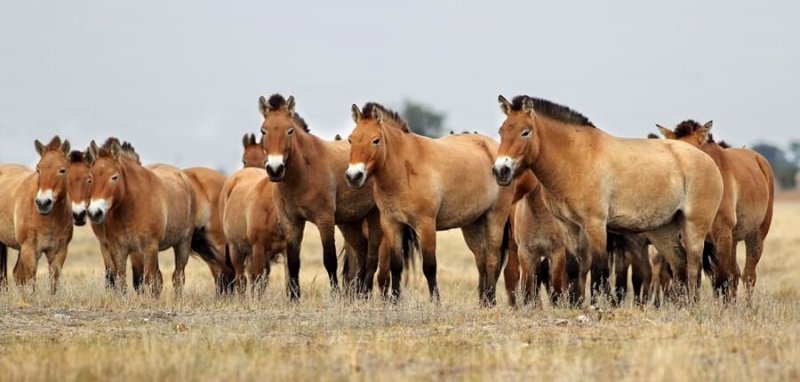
(307, 172)
(35, 214)
(143, 210)
(594, 181)
(253, 155)
(745, 212)
(250, 222)
(419, 183)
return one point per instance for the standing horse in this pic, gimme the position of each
(308, 172)
(594, 181)
(35, 214)
(143, 210)
(419, 183)
(250, 221)
(745, 212)
(253, 155)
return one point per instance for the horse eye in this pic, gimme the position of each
(290, 131)
(376, 141)
(37, 170)
(89, 180)
(350, 140)
(115, 177)
(62, 171)
(526, 133)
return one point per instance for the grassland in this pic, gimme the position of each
(86, 333)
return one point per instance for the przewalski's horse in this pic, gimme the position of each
(253, 155)
(35, 215)
(594, 181)
(745, 212)
(420, 183)
(143, 210)
(250, 222)
(308, 173)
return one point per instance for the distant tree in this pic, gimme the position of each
(794, 148)
(785, 171)
(422, 119)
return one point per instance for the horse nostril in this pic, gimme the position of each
(355, 177)
(43, 203)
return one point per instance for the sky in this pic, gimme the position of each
(181, 79)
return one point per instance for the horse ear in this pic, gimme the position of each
(667, 133)
(290, 104)
(708, 125)
(505, 106)
(263, 106)
(377, 115)
(115, 150)
(527, 106)
(245, 140)
(91, 153)
(337, 137)
(40, 147)
(356, 113)
(652, 136)
(703, 134)
(66, 146)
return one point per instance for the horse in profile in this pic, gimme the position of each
(419, 184)
(35, 214)
(594, 181)
(307, 172)
(745, 212)
(143, 210)
(250, 222)
(253, 155)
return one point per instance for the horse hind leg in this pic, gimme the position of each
(755, 247)
(511, 275)
(474, 238)
(621, 265)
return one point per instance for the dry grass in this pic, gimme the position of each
(87, 333)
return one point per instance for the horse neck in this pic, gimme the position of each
(560, 146)
(397, 144)
(304, 159)
(133, 175)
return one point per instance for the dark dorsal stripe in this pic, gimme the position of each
(552, 110)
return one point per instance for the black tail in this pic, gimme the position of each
(410, 247)
(202, 247)
(710, 259)
(505, 243)
(3, 265)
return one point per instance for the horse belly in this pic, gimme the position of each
(465, 206)
(639, 217)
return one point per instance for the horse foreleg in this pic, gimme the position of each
(108, 262)
(511, 274)
(55, 260)
(152, 274)
(621, 264)
(329, 258)
(259, 269)
(294, 237)
(356, 254)
(137, 271)
(641, 275)
(374, 243)
(25, 269)
(558, 274)
(238, 257)
(474, 237)
(426, 230)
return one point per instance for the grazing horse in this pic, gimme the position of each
(307, 172)
(250, 222)
(420, 183)
(35, 214)
(745, 212)
(143, 210)
(594, 181)
(254, 155)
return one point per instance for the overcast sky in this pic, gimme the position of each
(180, 79)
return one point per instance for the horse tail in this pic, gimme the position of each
(203, 247)
(410, 247)
(710, 259)
(505, 243)
(3, 266)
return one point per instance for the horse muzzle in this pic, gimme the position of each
(97, 211)
(79, 218)
(356, 175)
(503, 174)
(44, 206)
(275, 167)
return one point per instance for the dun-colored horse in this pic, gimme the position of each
(310, 187)
(745, 212)
(250, 222)
(594, 181)
(143, 210)
(254, 155)
(35, 214)
(420, 183)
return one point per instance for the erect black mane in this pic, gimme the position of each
(277, 101)
(552, 110)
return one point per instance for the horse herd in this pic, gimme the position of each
(556, 201)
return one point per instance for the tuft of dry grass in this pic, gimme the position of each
(87, 333)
